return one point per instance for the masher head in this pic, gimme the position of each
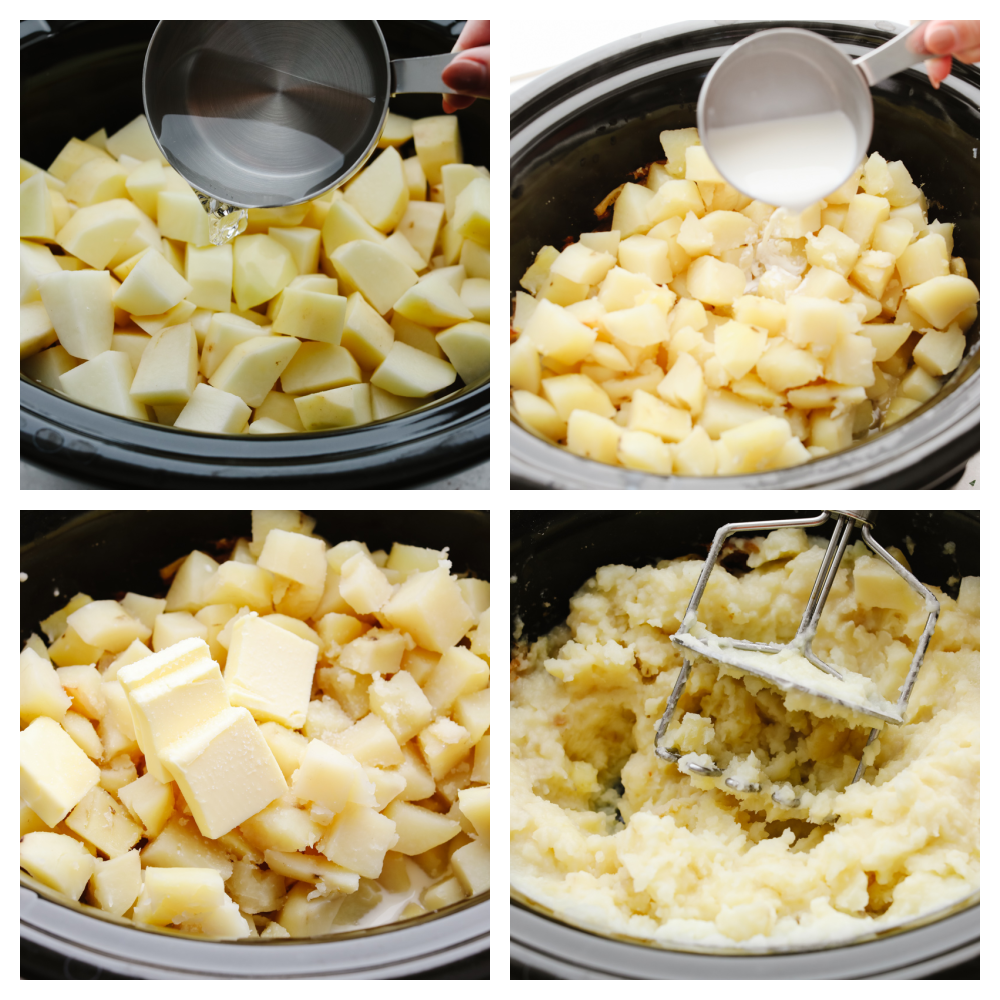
(793, 666)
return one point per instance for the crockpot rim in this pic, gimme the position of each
(429, 942)
(536, 463)
(540, 942)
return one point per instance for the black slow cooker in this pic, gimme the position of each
(86, 75)
(107, 552)
(552, 554)
(586, 126)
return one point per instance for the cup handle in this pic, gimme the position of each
(421, 75)
(905, 50)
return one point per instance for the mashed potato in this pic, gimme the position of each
(609, 836)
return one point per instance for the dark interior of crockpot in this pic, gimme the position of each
(106, 554)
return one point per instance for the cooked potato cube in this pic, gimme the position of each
(58, 861)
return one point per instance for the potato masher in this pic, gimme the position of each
(766, 659)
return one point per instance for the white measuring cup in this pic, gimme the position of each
(786, 116)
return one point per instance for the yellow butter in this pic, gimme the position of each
(168, 708)
(225, 770)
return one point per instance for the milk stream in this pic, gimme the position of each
(790, 162)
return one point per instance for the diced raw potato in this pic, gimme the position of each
(58, 861)
(37, 331)
(78, 303)
(380, 192)
(168, 368)
(407, 371)
(437, 143)
(250, 369)
(940, 299)
(371, 269)
(345, 224)
(104, 384)
(471, 218)
(262, 267)
(318, 366)
(37, 219)
(940, 351)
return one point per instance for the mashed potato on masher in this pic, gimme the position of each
(609, 836)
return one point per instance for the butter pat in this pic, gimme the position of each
(225, 770)
(55, 773)
(159, 664)
(166, 709)
(269, 671)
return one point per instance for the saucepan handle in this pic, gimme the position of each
(421, 75)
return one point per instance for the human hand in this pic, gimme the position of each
(469, 71)
(949, 39)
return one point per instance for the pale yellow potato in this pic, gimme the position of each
(723, 893)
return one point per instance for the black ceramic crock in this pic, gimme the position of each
(552, 554)
(585, 127)
(88, 75)
(102, 553)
